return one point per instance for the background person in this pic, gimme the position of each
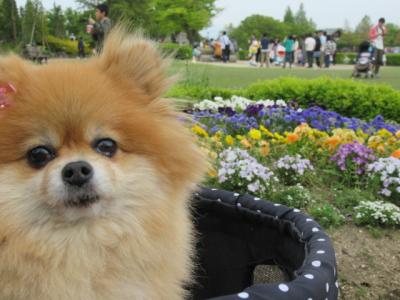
(101, 27)
(376, 36)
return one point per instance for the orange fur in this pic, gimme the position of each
(136, 243)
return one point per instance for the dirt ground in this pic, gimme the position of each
(368, 262)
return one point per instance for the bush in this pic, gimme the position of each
(64, 45)
(294, 196)
(178, 51)
(344, 96)
(377, 213)
(327, 215)
(345, 58)
(393, 59)
(243, 54)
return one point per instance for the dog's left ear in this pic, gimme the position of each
(136, 59)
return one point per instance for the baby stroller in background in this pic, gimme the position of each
(364, 61)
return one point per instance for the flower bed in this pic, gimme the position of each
(306, 158)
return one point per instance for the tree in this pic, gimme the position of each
(161, 18)
(392, 37)
(362, 29)
(257, 25)
(56, 22)
(289, 17)
(9, 21)
(34, 22)
(302, 25)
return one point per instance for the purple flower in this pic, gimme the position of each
(354, 154)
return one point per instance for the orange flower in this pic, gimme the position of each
(245, 143)
(333, 142)
(264, 149)
(292, 138)
(396, 154)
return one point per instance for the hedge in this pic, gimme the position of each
(347, 97)
(391, 58)
(64, 45)
(178, 51)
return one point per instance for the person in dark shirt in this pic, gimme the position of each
(101, 27)
(265, 51)
(81, 48)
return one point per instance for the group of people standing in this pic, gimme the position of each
(319, 48)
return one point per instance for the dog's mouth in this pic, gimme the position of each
(81, 198)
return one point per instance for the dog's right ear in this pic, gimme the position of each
(12, 70)
(136, 60)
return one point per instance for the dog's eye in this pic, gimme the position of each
(39, 156)
(107, 147)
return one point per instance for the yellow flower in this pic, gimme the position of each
(199, 131)
(398, 134)
(266, 131)
(212, 172)
(229, 140)
(213, 155)
(255, 134)
(240, 137)
(384, 133)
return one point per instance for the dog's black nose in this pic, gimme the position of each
(77, 173)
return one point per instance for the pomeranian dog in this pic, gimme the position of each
(95, 176)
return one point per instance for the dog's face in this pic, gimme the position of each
(89, 140)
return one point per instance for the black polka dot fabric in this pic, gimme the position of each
(238, 232)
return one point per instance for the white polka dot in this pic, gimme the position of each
(283, 287)
(256, 198)
(296, 210)
(320, 252)
(315, 229)
(197, 194)
(243, 295)
(239, 205)
(213, 189)
(309, 276)
(321, 240)
(219, 200)
(334, 271)
(236, 194)
(309, 220)
(337, 284)
(327, 287)
(309, 299)
(259, 211)
(277, 204)
(316, 263)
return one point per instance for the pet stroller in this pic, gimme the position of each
(239, 233)
(364, 61)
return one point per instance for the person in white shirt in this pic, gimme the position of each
(225, 46)
(309, 44)
(376, 35)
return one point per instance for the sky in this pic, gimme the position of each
(325, 13)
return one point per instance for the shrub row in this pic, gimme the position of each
(347, 97)
(67, 46)
(349, 58)
(178, 51)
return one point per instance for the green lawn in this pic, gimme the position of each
(236, 77)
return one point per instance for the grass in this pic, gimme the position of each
(237, 77)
